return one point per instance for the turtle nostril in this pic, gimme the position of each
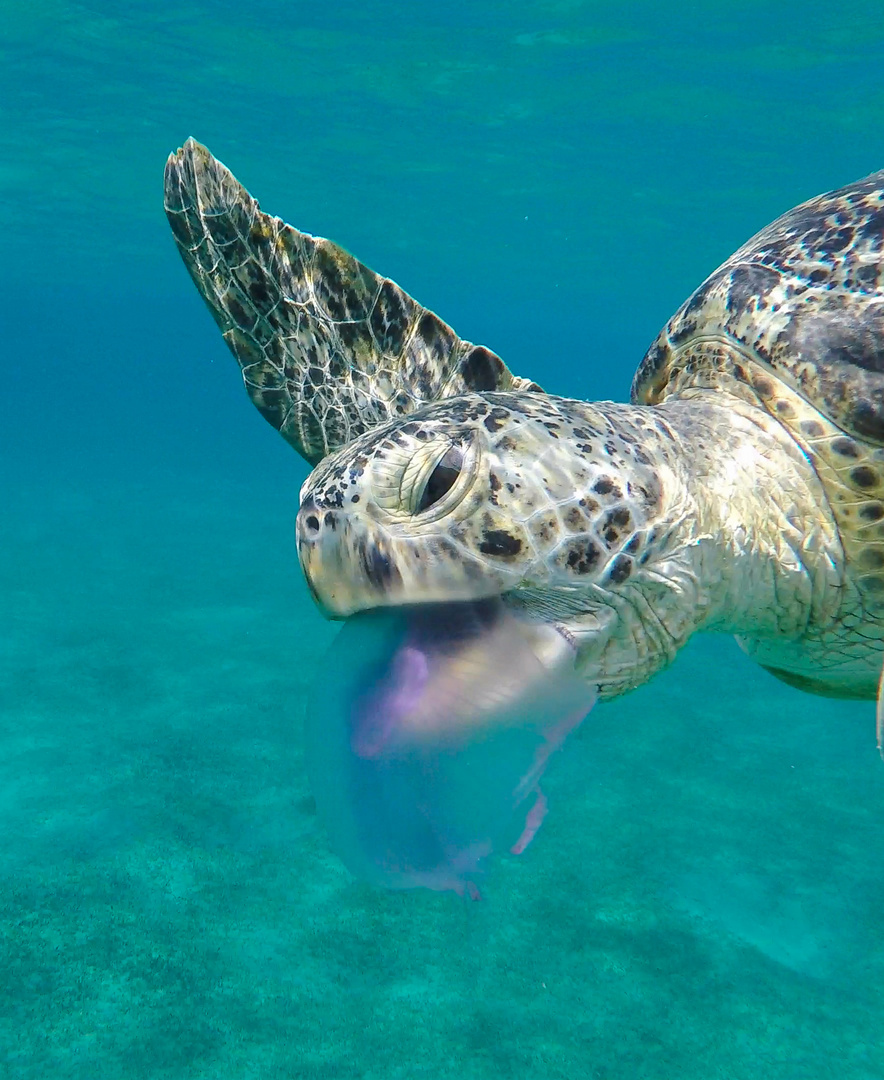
(312, 522)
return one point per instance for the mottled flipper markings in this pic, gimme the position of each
(327, 348)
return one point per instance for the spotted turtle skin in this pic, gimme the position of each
(741, 491)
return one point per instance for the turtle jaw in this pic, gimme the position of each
(352, 566)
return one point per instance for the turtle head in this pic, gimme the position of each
(550, 503)
(430, 509)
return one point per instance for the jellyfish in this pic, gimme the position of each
(426, 736)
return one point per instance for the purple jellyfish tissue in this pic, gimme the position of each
(427, 734)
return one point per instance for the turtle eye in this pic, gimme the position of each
(441, 479)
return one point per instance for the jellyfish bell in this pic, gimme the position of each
(427, 734)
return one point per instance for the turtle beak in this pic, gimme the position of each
(330, 545)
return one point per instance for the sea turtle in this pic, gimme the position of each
(741, 491)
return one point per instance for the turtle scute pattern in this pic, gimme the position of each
(794, 321)
(327, 348)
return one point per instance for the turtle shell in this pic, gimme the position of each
(802, 300)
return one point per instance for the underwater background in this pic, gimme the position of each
(706, 897)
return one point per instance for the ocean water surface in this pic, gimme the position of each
(553, 178)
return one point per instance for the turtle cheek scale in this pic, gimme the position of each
(426, 748)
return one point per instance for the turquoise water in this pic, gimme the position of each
(707, 895)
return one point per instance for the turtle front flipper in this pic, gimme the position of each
(327, 348)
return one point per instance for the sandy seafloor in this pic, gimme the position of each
(706, 897)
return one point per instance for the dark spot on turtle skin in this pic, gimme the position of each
(545, 530)
(353, 335)
(494, 421)
(494, 481)
(259, 293)
(620, 570)
(588, 503)
(583, 556)
(390, 317)
(238, 311)
(871, 558)
(784, 408)
(748, 283)
(379, 570)
(331, 522)
(864, 477)
(574, 520)
(431, 331)
(873, 226)
(500, 543)
(354, 498)
(481, 369)
(763, 386)
(839, 241)
(613, 525)
(868, 420)
(870, 511)
(633, 545)
(845, 447)
(606, 486)
(812, 428)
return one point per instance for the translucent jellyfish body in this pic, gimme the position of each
(427, 734)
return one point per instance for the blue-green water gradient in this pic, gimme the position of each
(707, 895)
